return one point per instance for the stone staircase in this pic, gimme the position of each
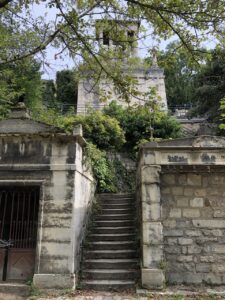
(110, 254)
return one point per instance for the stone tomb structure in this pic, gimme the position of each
(45, 195)
(181, 192)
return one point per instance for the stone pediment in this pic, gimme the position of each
(204, 141)
(19, 122)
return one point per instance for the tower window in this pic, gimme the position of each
(106, 38)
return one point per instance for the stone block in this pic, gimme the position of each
(54, 281)
(182, 179)
(219, 213)
(152, 255)
(185, 241)
(150, 174)
(171, 241)
(185, 258)
(197, 202)
(203, 268)
(188, 191)
(152, 278)
(172, 249)
(218, 268)
(173, 232)
(194, 180)
(165, 191)
(151, 211)
(194, 249)
(219, 249)
(151, 193)
(191, 213)
(209, 223)
(175, 213)
(207, 258)
(200, 192)
(169, 223)
(152, 233)
(193, 233)
(168, 179)
(182, 201)
(212, 278)
(177, 190)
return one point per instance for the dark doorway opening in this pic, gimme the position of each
(18, 231)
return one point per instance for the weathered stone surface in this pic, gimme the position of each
(194, 180)
(152, 278)
(185, 241)
(191, 213)
(209, 223)
(175, 213)
(152, 233)
(150, 174)
(152, 255)
(52, 281)
(197, 202)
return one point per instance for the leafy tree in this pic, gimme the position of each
(20, 80)
(210, 86)
(139, 123)
(192, 22)
(66, 84)
(179, 70)
(49, 93)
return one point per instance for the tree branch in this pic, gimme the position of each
(3, 3)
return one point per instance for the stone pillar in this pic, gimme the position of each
(152, 231)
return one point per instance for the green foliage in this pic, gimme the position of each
(66, 87)
(138, 122)
(102, 169)
(22, 79)
(179, 69)
(100, 129)
(125, 179)
(49, 93)
(210, 86)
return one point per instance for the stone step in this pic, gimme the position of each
(115, 274)
(110, 254)
(115, 211)
(113, 223)
(107, 285)
(115, 196)
(112, 237)
(114, 217)
(11, 291)
(124, 229)
(112, 245)
(111, 264)
(117, 201)
(118, 206)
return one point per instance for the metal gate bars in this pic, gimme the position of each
(18, 231)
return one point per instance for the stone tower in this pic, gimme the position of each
(126, 38)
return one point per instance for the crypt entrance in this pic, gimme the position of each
(19, 207)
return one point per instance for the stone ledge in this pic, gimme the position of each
(55, 281)
(152, 278)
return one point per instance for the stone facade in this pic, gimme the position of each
(32, 153)
(89, 97)
(181, 193)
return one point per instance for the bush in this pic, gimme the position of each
(136, 121)
(102, 169)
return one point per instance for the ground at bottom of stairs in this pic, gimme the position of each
(173, 294)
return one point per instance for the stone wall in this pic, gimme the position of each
(193, 211)
(181, 196)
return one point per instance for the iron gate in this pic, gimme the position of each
(18, 231)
